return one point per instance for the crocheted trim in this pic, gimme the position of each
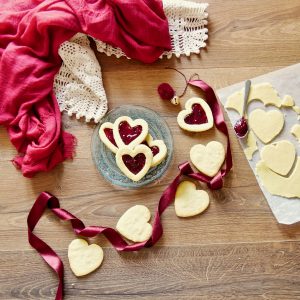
(78, 84)
(187, 21)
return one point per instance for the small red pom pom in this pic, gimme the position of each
(166, 92)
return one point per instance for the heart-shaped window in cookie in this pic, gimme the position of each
(196, 117)
(128, 132)
(134, 162)
(110, 135)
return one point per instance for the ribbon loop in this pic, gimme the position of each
(46, 200)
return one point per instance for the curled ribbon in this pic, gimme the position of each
(46, 200)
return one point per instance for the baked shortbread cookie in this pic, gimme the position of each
(196, 116)
(208, 159)
(84, 258)
(134, 162)
(134, 225)
(189, 201)
(106, 135)
(158, 148)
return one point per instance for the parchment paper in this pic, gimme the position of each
(287, 82)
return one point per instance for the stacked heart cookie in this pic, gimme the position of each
(136, 150)
(277, 161)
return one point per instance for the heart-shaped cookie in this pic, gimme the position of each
(196, 117)
(134, 225)
(158, 148)
(208, 159)
(136, 162)
(266, 124)
(106, 135)
(84, 258)
(189, 201)
(279, 157)
(128, 132)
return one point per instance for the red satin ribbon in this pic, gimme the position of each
(215, 106)
(46, 200)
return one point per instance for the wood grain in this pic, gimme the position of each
(235, 250)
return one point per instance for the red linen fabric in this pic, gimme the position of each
(31, 32)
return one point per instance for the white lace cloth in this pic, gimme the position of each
(78, 84)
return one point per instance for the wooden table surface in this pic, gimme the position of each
(235, 250)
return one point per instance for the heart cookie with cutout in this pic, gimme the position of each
(106, 135)
(128, 132)
(279, 157)
(84, 258)
(134, 163)
(266, 124)
(196, 117)
(208, 159)
(158, 148)
(189, 201)
(134, 225)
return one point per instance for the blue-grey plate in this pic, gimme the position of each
(104, 159)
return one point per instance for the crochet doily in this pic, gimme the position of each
(78, 84)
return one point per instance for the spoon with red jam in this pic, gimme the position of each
(241, 126)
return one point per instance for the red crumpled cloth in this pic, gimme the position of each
(31, 32)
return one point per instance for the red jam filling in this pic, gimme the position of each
(110, 135)
(241, 127)
(134, 164)
(154, 149)
(128, 133)
(197, 116)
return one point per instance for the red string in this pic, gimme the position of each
(46, 200)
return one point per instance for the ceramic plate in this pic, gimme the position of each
(104, 159)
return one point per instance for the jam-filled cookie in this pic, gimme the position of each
(158, 148)
(128, 132)
(208, 159)
(106, 135)
(134, 162)
(196, 116)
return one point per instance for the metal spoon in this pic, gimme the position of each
(241, 126)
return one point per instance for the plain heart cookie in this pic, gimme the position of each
(84, 258)
(208, 159)
(128, 132)
(134, 225)
(189, 201)
(106, 135)
(266, 124)
(136, 162)
(196, 117)
(158, 148)
(279, 157)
